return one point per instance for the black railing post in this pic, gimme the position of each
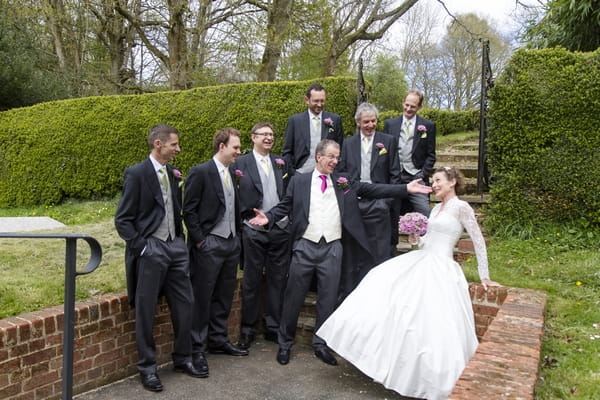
(69, 307)
(69, 318)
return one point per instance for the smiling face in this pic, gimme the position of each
(411, 105)
(316, 101)
(263, 140)
(229, 152)
(328, 160)
(442, 187)
(367, 124)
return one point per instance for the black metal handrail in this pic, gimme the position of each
(70, 274)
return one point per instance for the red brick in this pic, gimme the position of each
(49, 325)
(36, 345)
(24, 331)
(25, 396)
(39, 356)
(91, 351)
(53, 340)
(19, 350)
(10, 365)
(485, 310)
(11, 390)
(41, 380)
(82, 366)
(45, 392)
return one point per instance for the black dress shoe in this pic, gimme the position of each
(325, 356)
(245, 341)
(228, 348)
(151, 382)
(271, 336)
(283, 356)
(190, 369)
(200, 363)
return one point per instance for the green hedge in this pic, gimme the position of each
(79, 148)
(446, 121)
(544, 139)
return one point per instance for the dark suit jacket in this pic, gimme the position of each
(297, 136)
(251, 188)
(140, 212)
(385, 167)
(423, 150)
(204, 201)
(296, 204)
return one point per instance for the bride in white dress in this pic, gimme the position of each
(409, 324)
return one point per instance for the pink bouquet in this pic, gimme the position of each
(413, 223)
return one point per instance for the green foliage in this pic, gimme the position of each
(555, 263)
(572, 24)
(387, 83)
(543, 141)
(79, 148)
(446, 121)
(26, 76)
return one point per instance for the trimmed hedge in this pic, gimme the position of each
(446, 121)
(544, 139)
(79, 148)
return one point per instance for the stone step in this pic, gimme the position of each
(468, 168)
(452, 157)
(462, 146)
(479, 199)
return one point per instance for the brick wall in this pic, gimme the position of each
(105, 351)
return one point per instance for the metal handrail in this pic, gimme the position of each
(70, 274)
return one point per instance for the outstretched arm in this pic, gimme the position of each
(416, 187)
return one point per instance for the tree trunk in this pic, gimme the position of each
(279, 17)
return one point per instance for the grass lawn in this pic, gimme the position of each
(560, 261)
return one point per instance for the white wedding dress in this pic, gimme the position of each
(409, 324)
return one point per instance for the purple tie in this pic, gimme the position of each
(323, 183)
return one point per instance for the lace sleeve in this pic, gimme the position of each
(468, 221)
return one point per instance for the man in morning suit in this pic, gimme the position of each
(148, 218)
(416, 151)
(371, 157)
(212, 215)
(263, 185)
(323, 209)
(304, 130)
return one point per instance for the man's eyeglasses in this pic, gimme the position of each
(266, 134)
(332, 157)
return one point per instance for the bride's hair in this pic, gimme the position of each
(454, 173)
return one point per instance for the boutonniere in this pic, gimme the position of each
(381, 147)
(280, 163)
(342, 183)
(329, 123)
(238, 174)
(422, 130)
(178, 176)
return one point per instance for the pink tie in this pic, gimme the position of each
(323, 183)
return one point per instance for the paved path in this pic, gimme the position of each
(28, 224)
(256, 377)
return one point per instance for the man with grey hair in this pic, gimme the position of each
(323, 208)
(372, 157)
